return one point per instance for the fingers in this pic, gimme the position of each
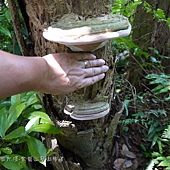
(91, 80)
(85, 56)
(95, 63)
(91, 63)
(95, 71)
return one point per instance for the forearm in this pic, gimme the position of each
(20, 74)
(58, 73)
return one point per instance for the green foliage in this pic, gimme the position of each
(159, 160)
(20, 124)
(148, 108)
(162, 83)
(155, 122)
(166, 133)
(8, 40)
(125, 7)
(22, 118)
(158, 13)
(6, 29)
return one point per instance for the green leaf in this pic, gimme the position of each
(159, 87)
(13, 162)
(165, 163)
(3, 121)
(8, 16)
(148, 7)
(164, 90)
(151, 164)
(44, 118)
(156, 154)
(14, 112)
(37, 106)
(154, 140)
(168, 22)
(49, 152)
(18, 140)
(6, 150)
(16, 99)
(151, 129)
(46, 128)
(143, 147)
(126, 104)
(37, 149)
(160, 146)
(33, 122)
(167, 98)
(5, 31)
(33, 99)
(159, 13)
(167, 168)
(166, 133)
(154, 50)
(17, 133)
(5, 103)
(154, 60)
(7, 118)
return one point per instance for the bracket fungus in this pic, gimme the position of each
(80, 34)
(87, 34)
(87, 111)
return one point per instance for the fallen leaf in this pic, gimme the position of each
(135, 164)
(128, 154)
(127, 164)
(125, 148)
(118, 163)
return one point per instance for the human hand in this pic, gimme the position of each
(68, 72)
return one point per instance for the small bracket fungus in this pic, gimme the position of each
(80, 34)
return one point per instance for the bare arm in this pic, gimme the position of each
(58, 73)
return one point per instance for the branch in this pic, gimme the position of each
(17, 27)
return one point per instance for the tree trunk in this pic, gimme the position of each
(149, 32)
(90, 140)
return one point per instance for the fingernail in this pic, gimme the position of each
(106, 68)
(93, 56)
(102, 61)
(102, 76)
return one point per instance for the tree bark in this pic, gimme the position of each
(91, 140)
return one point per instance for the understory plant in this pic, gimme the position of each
(22, 117)
(148, 107)
(150, 110)
(22, 120)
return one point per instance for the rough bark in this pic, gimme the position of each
(91, 141)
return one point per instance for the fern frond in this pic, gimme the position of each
(166, 133)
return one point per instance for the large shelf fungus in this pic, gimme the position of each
(80, 34)
(88, 110)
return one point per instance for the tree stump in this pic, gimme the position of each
(90, 140)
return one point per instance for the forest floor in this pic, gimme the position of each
(131, 146)
(127, 153)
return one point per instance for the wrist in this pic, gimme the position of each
(36, 72)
